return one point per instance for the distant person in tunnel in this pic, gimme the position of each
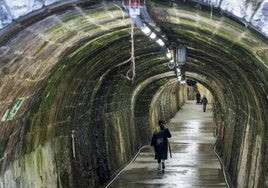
(198, 97)
(204, 102)
(160, 144)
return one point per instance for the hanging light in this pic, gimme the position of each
(178, 70)
(146, 30)
(183, 82)
(168, 54)
(152, 35)
(171, 64)
(160, 42)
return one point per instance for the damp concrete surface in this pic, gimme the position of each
(193, 162)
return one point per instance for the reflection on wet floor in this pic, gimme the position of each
(193, 163)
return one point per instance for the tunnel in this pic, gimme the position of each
(82, 88)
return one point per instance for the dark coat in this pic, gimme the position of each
(204, 101)
(198, 96)
(160, 143)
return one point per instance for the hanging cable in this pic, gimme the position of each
(132, 56)
(211, 10)
(121, 10)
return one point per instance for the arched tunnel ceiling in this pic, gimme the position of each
(69, 62)
(251, 13)
(92, 39)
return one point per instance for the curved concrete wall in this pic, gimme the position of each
(79, 119)
(251, 13)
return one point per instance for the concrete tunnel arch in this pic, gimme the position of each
(66, 62)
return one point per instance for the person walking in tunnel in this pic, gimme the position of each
(160, 143)
(204, 102)
(198, 97)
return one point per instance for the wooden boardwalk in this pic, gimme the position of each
(193, 163)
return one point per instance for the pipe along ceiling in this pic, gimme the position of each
(56, 62)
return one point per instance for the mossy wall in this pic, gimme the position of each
(243, 148)
(82, 120)
(87, 123)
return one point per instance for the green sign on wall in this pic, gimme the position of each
(9, 114)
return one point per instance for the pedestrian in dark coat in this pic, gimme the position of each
(204, 102)
(160, 144)
(198, 97)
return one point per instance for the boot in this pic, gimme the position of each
(163, 165)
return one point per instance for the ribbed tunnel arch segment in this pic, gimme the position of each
(68, 64)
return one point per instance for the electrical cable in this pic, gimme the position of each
(223, 169)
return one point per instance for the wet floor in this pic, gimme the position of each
(193, 163)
